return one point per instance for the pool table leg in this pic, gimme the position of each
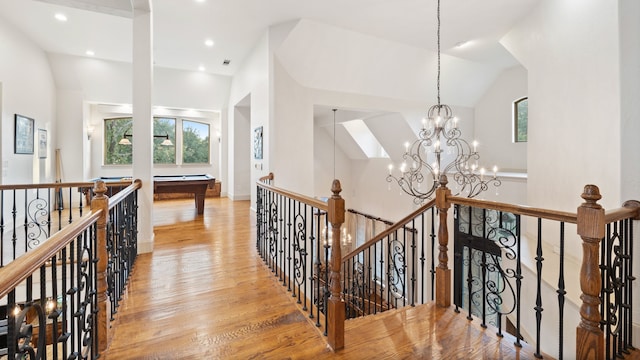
(200, 201)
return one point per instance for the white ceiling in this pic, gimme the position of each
(181, 26)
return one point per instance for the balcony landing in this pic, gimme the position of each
(204, 293)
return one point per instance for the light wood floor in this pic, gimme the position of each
(204, 293)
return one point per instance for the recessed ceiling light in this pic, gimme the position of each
(202, 68)
(209, 42)
(60, 17)
(200, 1)
(462, 43)
(90, 52)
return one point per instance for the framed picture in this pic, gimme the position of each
(23, 137)
(257, 143)
(42, 143)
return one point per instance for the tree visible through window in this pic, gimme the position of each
(163, 154)
(195, 142)
(520, 119)
(114, 131)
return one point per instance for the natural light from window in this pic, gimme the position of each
(361, 134)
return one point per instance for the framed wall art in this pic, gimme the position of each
(257, 143)
(23, 135)
(42, 143)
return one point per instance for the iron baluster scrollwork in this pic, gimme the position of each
(396, 278)
(616, 306)
(482, 239)
(273, 234)
(299, 251)
(37, 223)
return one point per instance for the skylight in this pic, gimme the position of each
(360, 132)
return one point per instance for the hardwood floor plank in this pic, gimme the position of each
(204, 293)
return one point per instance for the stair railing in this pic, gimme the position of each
(31, 213)
(605, 326)
(298, 238)
(395, 268)
(56, 296)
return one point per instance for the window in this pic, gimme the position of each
(118, 137)
(114, 131)
(164, 154)
(195, 142)
(520, 119)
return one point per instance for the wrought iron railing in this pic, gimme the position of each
(491, 284)
(295, 239)
(31, 213)
(55, 299)
(510, 267)
(396, 268)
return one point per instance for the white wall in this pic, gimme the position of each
(292, 134)
(494, 121)
(571, 52)
(28, 89)
(252, 81)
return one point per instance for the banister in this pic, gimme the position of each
(122, 194)
(399, 224)
(564, 216)
(18, 270)
(266, 177)
(295, 196)
(629, 210)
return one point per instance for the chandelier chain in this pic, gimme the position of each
(438, 86)
(334, 142)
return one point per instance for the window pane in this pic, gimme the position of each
(164, 154)
(114, 131)
(195, 142)
(522, 118)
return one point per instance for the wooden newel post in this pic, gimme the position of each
(101, 202)
(591, 228)
(443, 273)
(336, 307)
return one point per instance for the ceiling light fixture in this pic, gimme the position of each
(90, 53)
(209, 42)
(438, 151)
(125, 139)
(202, 68)
(60, 17)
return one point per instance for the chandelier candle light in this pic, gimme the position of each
(425, 155)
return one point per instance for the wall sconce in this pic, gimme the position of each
(89, 132)
(125, 139)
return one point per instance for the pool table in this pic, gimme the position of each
(184, 184)
(190, 184)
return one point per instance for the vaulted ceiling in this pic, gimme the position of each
(181, 27)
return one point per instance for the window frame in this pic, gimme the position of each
(182, 130)
(516, 125)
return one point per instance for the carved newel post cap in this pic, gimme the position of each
(443, 180)
(336, 188)
(591, 195)
(100, 188)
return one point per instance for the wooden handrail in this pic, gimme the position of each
(85, 184)
(567, 217)
(18, 270)
(295, 196)
(122, 194)
(399, 224)
(266, 177)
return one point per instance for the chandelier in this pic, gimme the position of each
(439, 151)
